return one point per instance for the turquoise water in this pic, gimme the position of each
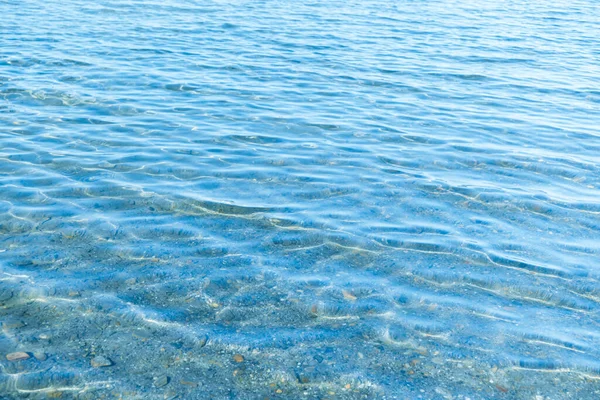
(276, 199)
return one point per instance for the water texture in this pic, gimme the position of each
(294, 199)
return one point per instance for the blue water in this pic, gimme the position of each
(294, 199)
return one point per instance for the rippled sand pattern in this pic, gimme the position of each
(277, 199)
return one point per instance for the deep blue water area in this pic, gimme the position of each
(299, 199)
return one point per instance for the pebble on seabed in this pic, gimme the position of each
(15, 324)
(17, 356)
(202, 340)
(101, 361)
(161, 381)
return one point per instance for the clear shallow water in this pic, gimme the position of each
(300, 199)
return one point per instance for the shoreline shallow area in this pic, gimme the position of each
(299, 200)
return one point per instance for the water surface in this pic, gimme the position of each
(294, 199)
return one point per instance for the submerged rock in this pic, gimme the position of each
(12, 324)
(101, 361)
(161, 381)
(202, 340)
(17, 356)
(143, 334)
(189, 383)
